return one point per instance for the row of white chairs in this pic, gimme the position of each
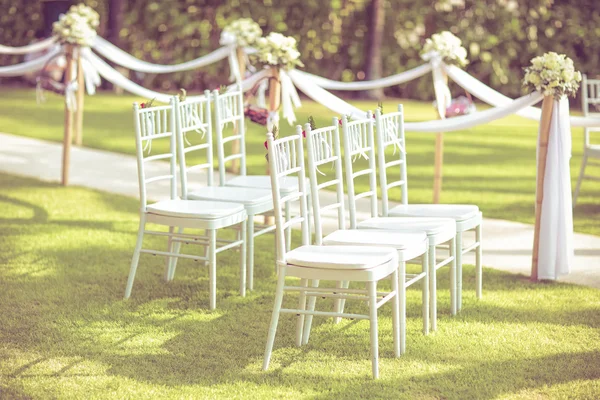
(410, 231)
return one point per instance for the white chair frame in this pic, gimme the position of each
(590, 96)
(358, 139)
(203, 121)
(286, 157)
(323, 147)
(159, 123)
(390, 133)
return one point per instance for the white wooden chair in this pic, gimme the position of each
(590, 97)
(390, 135)
(157, 124)
(358, 139)
(229, 108)
(194, 118)
(323, 148)
(308, 262)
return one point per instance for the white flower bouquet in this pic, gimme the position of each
(78, 26)
(278, 50)
(242, 32)
(448, 46)
(552, 74)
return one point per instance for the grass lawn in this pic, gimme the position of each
(65, 331)
(492, 165)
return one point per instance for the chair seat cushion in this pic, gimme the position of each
(431, 226)
(458, 212)
(195, 209)
(242, 195)
(287, 185)
(341, 257)
(370, 237)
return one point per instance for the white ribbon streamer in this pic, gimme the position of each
(28, 66)
(30, 48)
(443, 96)
(392, 80)
(70, 95)
(289, 97)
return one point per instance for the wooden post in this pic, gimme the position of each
(80, 95)
(439, 157)
(544, 134)
(235, 145)
(274, 101)
(68, 119)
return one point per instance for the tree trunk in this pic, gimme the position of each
(373, 50)
(116, 15)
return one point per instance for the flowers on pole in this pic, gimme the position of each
(241, 32)
(278, 50)
(552, 74)
(78, 26)
(448, 47)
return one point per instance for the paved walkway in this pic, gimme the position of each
(507, 245)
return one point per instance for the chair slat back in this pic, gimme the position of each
(155, 140)
(229, 108)
(359, 143)
(194, 139)
(323, 148)
(286, 158)
(590, 95)
(389, 133)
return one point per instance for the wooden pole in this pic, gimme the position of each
(439, 158)
(80, 96)
(235, 145)
(274, 101)
(68, 119)
(547, 106)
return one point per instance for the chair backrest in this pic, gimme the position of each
(389, 132)
(229, 108)
(590, 95)
(194, 139)
(323, 147)
(155, 130)
(359, 143)
(286, 159)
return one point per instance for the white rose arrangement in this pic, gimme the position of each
(552, 74)
(78, 26)
(242, 32)
(278, 50)
(448, 46)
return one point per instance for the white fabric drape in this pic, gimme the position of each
(392, 80)
(556, 229)
(496, 99)
(28, 66)
(30, 48)
(124, 59)
(289, 97)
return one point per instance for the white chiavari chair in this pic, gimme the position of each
(158, 124)
(315, 263)
(389, 134)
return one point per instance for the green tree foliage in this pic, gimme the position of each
(500, 35)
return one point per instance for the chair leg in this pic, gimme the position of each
(579, 179)
(173, 263)
(288, 230)
(136, 255)
(309, 318)
(212, 267)
(459, 274)
(399, 308)
(338, 303)
(274, 318)
(425, 289)
(478, 266)
(301, 317)
(372, 289)
(241, 233)
(453, 286)
(169, 259)
(432, 289)
(250, 252)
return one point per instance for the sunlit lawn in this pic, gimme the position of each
(492, 165)
(66, 333)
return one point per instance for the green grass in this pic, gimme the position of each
(65, 332)
(492, 165)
